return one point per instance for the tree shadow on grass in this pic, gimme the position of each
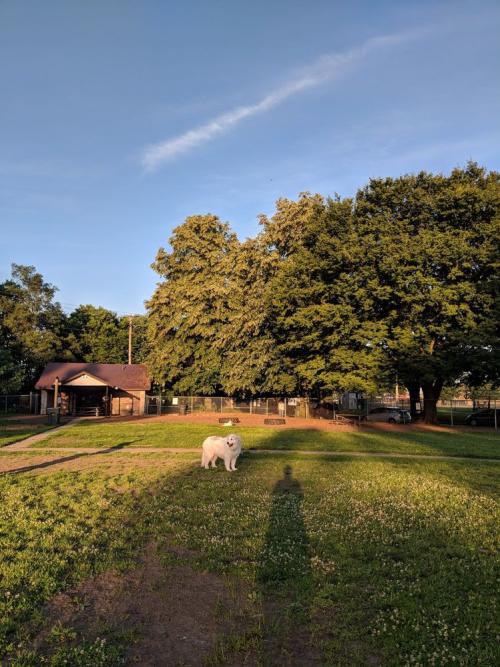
(65, 459)
(285, 580)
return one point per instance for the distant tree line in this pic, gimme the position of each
(34, 329)
(398, 283)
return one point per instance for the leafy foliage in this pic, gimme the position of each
(31, 324)
(98, 335)
(337, 295)
(189, 309)
(429, 255)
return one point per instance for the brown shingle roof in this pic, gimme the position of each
(123, 376)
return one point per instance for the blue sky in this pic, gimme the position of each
(119, 119)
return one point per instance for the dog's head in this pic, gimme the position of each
(232, 440)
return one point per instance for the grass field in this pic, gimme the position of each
(158, 434)
(333, 562)
(12, 430)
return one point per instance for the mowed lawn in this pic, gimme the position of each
(341, 562)
(165, 434)
(12, 430)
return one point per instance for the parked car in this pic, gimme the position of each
(391, 415)
(484, 417)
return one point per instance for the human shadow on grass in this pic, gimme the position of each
(285, 580)
(66, 459)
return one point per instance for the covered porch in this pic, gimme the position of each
(88, 396)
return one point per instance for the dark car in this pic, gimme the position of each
(484, 417)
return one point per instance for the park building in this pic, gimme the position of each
(94, 389)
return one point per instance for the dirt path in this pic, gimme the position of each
(25, 446)
(175, 614)
(32, 439)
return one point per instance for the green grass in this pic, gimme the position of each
(57, 529)
(154, 434)
(390, 562)
(13, 430)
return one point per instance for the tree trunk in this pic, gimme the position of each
(414, 391)
(432, 392)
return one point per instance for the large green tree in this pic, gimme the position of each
(190, 306)
(251, 361)
(31, 327)
(317, 304)
(428, 254)
(97, 335)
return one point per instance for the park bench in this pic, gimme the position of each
(223, 420)
(274, 422)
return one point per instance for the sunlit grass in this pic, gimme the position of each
(155, 434)
(14, 430)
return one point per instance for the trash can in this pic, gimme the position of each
(53, 416)
(182, 409)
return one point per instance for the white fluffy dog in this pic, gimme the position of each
(216, 447)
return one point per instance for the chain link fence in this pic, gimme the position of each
(20, 404)
(226, 405)
(352, 405)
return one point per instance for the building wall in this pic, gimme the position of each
(122, 402)
(128, 402)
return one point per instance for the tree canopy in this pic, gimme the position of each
(190, 307)
(35, 330)
(337, 294)
(399, 282)
(31, 324)
(429, 252)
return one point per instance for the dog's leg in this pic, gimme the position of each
(214, 461)
(205, 461)
(233, 464)
(227, 463)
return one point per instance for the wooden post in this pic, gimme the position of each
(451, 412)
(56, 392)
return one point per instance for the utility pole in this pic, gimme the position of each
(130, 339)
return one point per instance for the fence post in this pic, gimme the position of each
(267, 407)
(158, 404)
(6, 404)
(495, 413)
(451, 412)
(192, 403)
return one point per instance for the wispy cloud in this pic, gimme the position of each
(328, 68)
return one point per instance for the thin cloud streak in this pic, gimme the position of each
(327, 68)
